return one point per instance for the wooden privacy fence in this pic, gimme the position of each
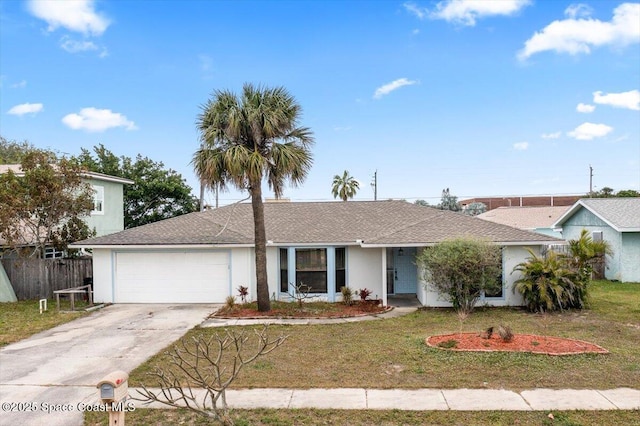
(39, 278)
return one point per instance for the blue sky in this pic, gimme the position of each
(508, 97)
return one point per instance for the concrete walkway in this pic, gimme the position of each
(431, 399)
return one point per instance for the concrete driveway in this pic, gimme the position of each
(47, 378)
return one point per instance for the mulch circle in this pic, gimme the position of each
(547, 345)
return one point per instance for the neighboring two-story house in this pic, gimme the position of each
(107, 216)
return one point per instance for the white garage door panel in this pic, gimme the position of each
(175, 277)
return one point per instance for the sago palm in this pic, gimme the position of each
(246, 139)
(548, 283)
(344, 186)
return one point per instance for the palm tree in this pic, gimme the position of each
(344, 186)
(246, 139)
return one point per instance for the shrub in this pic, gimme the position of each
(364, 294)
(230, 302)
(462, 269)
(505, 333)
(243, 292)
(347, 295)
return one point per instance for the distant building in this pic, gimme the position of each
(524, 201)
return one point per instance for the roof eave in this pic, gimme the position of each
(156, 246)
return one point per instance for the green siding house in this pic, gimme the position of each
(615, 220)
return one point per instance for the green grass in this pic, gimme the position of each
(392, 354)
(378, 417)
(19, 320)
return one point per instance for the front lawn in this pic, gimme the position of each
(378, 417)
(391, 353)
(19, 320)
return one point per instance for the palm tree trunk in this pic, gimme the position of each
(262, 285)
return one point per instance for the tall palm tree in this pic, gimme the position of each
(344, 186)
(246, 139)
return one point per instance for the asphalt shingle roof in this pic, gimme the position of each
(621, 212)
(525, 217)
(373, 222)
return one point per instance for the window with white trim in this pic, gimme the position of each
(52, 253)
(98, 200)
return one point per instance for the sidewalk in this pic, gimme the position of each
(430, 399)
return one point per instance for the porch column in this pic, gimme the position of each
(384, 276)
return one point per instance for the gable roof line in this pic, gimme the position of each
(580, 204)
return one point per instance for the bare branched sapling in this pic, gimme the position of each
(202, 368)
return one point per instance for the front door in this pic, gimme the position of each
(405, 272)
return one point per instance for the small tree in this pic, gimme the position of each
(210, 364)
(462, 269)
(448, 201)
(44, 204)
(474, 209)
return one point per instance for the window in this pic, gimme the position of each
(311, 269)
(498, 292)
(98, 200)
(52, 253)
(341, 276)
(284, 270)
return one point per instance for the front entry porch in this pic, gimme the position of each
(402, 272)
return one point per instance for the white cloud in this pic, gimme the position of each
(629, 100)
(576, 36)
(585, 108)
(97, 120)
(521, 146)
(20, 85)
(390, 87)
(578, 10)
(418, 12)
(466, 12)
(588, 131)
(27, 108)
(74, 46)
(554, 135)
(74, 15)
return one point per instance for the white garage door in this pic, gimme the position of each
(172, 277)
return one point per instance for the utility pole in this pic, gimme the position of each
(590, 181)
(374, 185)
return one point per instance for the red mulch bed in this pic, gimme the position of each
(475, 342)
(342, 311)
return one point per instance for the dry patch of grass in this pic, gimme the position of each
(19, 320)
(378, 417)
(391, 353)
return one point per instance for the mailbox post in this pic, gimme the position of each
(113, 389)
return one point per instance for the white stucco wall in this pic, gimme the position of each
(511, 256)
(242, 271)
(365, 270)
(102, 276)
